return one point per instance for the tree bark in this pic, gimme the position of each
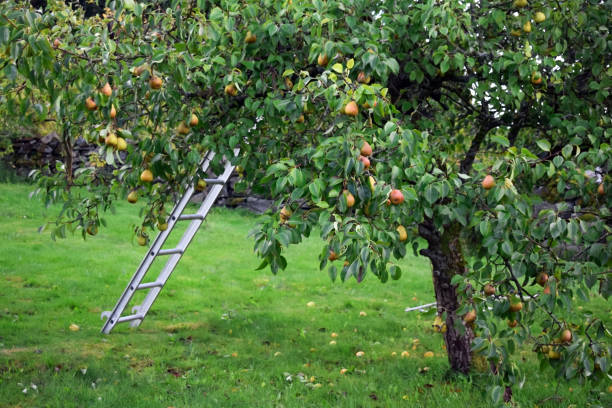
(446, 256)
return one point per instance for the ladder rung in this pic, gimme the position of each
(191, 217)
(214, 181)
(170, 251)
(130, 318)
(150, 285)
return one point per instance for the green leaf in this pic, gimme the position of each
(392, 64)
(485, 228)
(338, 68)
(395, 272)
(544, 145)
(500, 139)
(431, 194)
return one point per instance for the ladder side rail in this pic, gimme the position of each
(114, 316)
(186, 239)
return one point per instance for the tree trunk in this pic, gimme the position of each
(444, 251)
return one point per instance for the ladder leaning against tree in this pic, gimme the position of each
(174, 254)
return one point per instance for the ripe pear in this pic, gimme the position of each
(566, 336)
(351, 109)
(470, 316)
(300, 119)
(600, 189)
(527, 27)
(536, 78)
(250, 38)
(488, 182)
(516, 306)
(403, 235)
(121, 144)
(363, 78)
(542, 278)
(365, 161)
(366, 149)
(146, 176)
(539, 17)
(90, 104)
(182, 128)
(162, 226)
(520, 3)
(396, 197)
(285, 213)
(92, 229)
(372, 183)
(106, 90)
(489, 290)
(332, 256)
(288, 83)
(350, 199)
(512, 323)
(56, 43)
(231, 90)
(554, 355)
(323, 60)
(113, 112)
(201, 185)
(111, 140)
(132, 197)
(142, 240)
(139, 70)
(193, 121)
(155, 82)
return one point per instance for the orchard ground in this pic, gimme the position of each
(221, 333)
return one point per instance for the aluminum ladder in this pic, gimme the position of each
(174, 254)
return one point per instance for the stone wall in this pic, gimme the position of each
(34, 153)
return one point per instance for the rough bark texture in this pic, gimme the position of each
(444, 251)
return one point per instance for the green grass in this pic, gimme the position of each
(221, 333)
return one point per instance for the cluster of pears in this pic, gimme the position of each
(538, 17)
(184, 129)
(552, 351)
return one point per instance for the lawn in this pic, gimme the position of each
(221, 333)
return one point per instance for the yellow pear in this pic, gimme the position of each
(146, 176)
(527, 27)
(250, 38)
(121, 144)
(182, 128)
(231, 90)
(193, 121)
(106, 90)
(90, 104)
(201, 185)
(372, 183)
(132, 197)
(111, 140)
(520, 3)
(403, 235)
(155, 82)
(322, 60)
(351, 109)
(539, 17)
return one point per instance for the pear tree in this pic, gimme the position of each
(473, 133)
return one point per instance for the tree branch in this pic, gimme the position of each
(466, 163)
